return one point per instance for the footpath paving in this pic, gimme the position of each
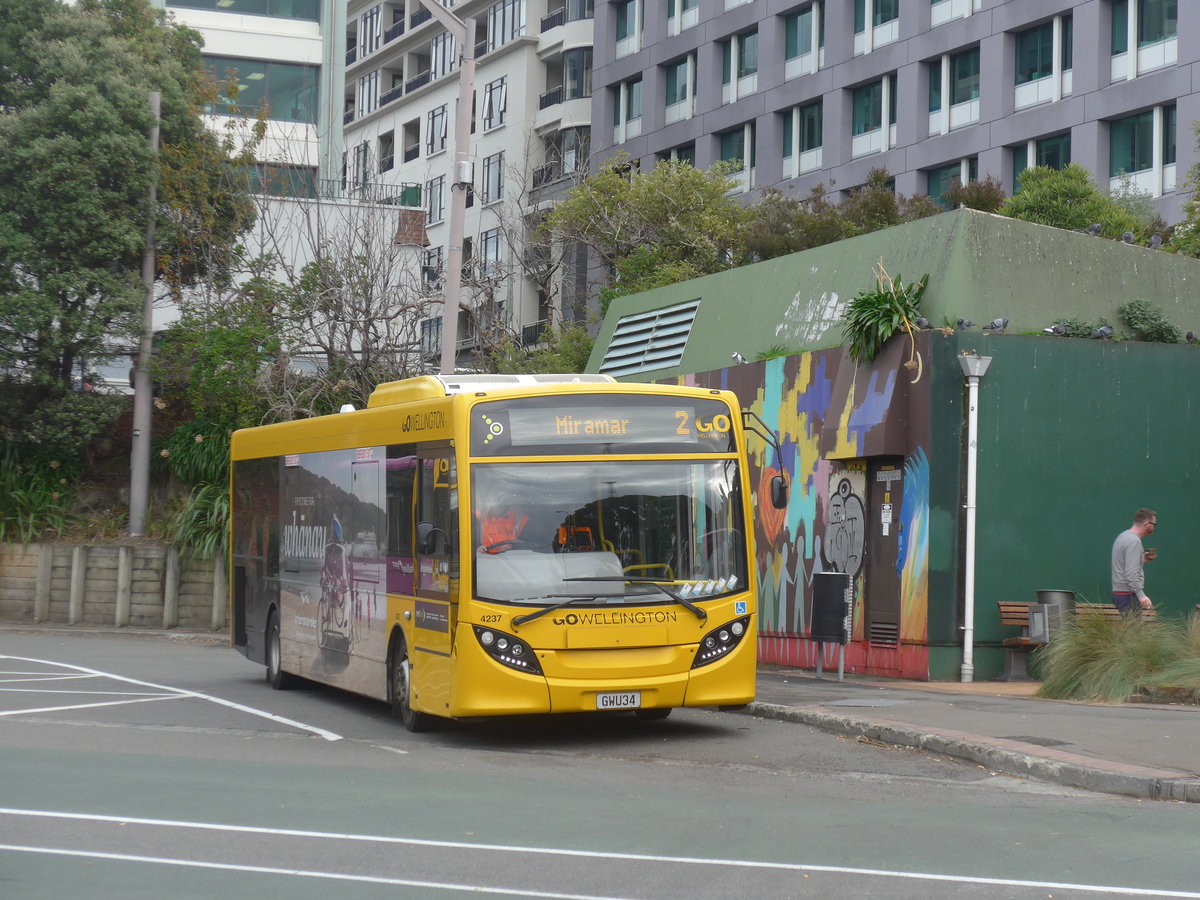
(1144, 750)
(1137, 749)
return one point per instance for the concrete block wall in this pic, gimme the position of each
(139, 585)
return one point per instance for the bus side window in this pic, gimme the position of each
(401, 470)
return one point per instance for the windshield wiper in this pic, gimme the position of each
(682, 601)
(518, 621)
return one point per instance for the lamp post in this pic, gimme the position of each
(973, 368)
(464, 35)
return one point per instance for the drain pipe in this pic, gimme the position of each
(973, 368)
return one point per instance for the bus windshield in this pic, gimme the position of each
(613, 532)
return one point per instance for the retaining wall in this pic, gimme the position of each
(139, 585)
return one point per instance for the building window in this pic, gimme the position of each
(957, 77)
(443, 57)
(308, 10)
(739, 66)
(493, 178)
(628, 17)
(1035, 53)
(577, 73)
(1043, 63)
(431, 335)
(283, 181)
(940, 180)
(489, 252)
(680, 89)
(684, 153)
(1156, 24)
(431, 267)
(942, 11)
(871, 103)
(368, 31)
(883, 17)
(1054, 152)
(368, 93)
(802, 138)
(627, 110)
(435, 203)
(506, 21)
(284, 91)
(387, 151)
(1142, 151)
(803, 39)
(738, 147)
(682, 14)
(495, 102)
(362, 159)
(435, 129)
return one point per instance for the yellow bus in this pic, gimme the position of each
(487, 545)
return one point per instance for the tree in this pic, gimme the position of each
(1185, 237)
(75, 173)
(652, 228)
(1069, 198)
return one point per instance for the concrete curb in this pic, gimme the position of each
(1109, 778)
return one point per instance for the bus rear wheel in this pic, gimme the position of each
(276, 677)
(400, 690)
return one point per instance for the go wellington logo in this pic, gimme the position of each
(494, 429)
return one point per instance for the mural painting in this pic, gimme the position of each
(825, 453)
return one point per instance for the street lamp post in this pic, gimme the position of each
(973, 368)
(464, 35)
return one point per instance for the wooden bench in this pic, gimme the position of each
(1108, 611)
(1015, 613)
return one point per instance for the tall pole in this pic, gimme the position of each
(464, 35)
(139, 462)
(973, 368)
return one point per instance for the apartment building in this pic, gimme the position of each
(809, 92)
(529, 135)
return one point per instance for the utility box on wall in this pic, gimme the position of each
(833, 608)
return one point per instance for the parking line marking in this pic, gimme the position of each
(46, 709)
(182, 692)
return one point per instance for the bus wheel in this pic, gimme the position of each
(400, 690)
(653, 715)
(276, 677)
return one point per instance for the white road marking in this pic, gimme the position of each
(46, 709)
(303, 873)
(175, 692)
(81, 693)
(585, 854)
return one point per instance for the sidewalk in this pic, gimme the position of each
(1137, 749)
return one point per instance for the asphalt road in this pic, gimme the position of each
(145, 767)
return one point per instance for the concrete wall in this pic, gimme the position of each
(134, 585)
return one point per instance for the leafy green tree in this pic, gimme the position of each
(565, 349)
(677, 220)
(1069, 198)
(1185, 237)
(876, 205)
(986, 195)
(75, 174)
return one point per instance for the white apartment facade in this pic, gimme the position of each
(530, 128)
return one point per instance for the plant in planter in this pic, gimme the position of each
(875, 315)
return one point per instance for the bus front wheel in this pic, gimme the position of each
(276, 677)
(400, 689)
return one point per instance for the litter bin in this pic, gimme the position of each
(1055, 607)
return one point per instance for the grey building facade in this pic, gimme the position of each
(809, 92)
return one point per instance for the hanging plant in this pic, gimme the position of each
(874, 316)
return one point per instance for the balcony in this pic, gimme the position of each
(420, 81)
(394, 94)
(351, 55)
(348, 117)
(394, 31)
(420, 17)
(411, 153)
(532, 334)
(551, 171)
(556, 18)
(387, 163)
(551, 98)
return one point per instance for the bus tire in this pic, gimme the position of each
(400, 689)
(653, 714)
(276, 677)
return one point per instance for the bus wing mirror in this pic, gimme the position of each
(779, 492)
(427, 534)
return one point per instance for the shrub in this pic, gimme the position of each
(875, 315)
(1149, 323)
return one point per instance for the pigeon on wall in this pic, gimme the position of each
(738, 358)
(1127, 237)
(964, 324)
(1103, 333)
(996, 325)
(1094, 230)
(1190, 337)
(921, 322)
(1059, 329)
(1155, 241)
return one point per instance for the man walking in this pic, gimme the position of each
(1128, 559)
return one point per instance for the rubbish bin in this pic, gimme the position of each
(1056, 607)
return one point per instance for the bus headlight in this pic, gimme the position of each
(507, 650)
(720, 641)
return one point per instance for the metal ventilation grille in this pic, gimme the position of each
(886, 633)
(653, 340)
